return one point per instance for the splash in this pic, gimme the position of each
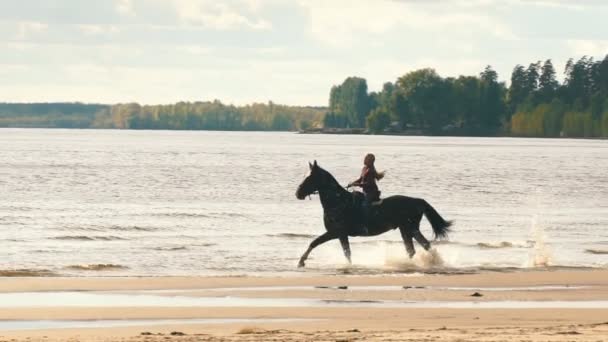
(421, 261)
(382, 257)
(430, 259)
(489, 245)
(541, 253)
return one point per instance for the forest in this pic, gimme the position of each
(179, 116)
(534, 104)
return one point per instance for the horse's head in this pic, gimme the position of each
(311, 183)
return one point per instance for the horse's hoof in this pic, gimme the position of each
(301, 264)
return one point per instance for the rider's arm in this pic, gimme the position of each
(356, 182)
(359, 181)
(365, 178)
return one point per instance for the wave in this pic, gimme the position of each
(293, 235)
(87, 238)
(133, 228)
(181, 248)
(481, 245)
(400, 268)
(206, 244)
(27, 273)
(96, 267)
(228, 214)
(446, 242)
(596, 251)
(497, 245)
(412, 268)
(102, 228)
(485, 245)
(170, 248)
(194, 215)
(489, 245)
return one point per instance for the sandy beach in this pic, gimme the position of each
(559, 305)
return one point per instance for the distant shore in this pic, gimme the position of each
(419, 132)
(329, 131)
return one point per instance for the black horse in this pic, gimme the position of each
(342, 214)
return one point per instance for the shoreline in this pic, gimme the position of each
(342, 311)
(395, 134)
(572, 276)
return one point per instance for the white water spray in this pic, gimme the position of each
(540, 256)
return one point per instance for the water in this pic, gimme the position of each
(103, 202)
(101, 300)
(13, 325)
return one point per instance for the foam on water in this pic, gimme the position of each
(541, 252)
(390, 257)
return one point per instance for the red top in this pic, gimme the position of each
(367, 180)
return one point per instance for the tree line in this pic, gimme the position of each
(212, 115)
(534, 104)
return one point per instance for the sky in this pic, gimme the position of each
(285, 51)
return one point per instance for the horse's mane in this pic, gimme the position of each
(329, 176)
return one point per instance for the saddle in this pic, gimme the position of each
(378, 201)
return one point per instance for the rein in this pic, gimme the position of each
(316, 192)
(312, 193)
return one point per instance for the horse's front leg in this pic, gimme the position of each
(407, 241)
(346, 247)
(319, 240)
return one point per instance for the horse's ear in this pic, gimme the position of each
(316, 163)
(310, 165)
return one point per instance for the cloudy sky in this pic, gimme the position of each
(287, 51)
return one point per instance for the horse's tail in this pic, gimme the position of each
(441, 227)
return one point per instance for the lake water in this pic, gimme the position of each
(106, 202)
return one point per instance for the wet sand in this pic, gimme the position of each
(328, 321)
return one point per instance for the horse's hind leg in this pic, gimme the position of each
(422, 240)
(319, 240)
(407, 241)
(346, 247)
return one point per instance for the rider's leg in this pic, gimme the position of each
(367, 202)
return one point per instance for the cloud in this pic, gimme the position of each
(13, 68)
(286, 51)
(27, 28)
(98, 29)
(125, 7)
(341, 22)
(561, 4)
(593, 48)
(216, 15)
